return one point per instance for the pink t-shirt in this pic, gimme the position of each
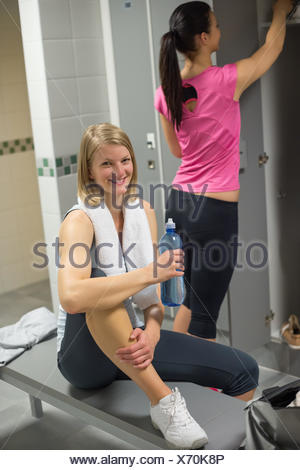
(209, 136)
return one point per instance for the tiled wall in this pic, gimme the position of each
(20, 211)
(65, 68)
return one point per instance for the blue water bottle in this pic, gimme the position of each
(172, 291)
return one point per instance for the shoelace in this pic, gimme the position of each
(179, 414)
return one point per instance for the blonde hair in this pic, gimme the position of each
(95, 137)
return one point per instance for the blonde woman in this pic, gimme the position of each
(100, 337)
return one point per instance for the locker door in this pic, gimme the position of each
(249, 291)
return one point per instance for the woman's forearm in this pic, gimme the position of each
(277, 31)
(153, 319)
(108, 292)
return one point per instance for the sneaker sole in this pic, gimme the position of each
(196, 445)
(290, 345)
(293, 347)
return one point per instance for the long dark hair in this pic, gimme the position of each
(186, 21)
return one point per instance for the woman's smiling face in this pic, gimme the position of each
(112, 169)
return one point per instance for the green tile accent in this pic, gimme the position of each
(16, 145)
(51, 171)
(45, 162)
(67, 170)
(40, 172)
(73, 158)
(59, 162)
(1, 152)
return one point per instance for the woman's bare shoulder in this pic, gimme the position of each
(77, 225)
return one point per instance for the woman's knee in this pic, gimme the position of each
(245, 374)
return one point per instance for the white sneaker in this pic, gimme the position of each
(173, 419)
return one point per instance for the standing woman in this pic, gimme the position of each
(200, 116)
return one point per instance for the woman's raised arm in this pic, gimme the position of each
(251, 69)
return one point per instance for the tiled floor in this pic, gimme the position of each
(58, 430)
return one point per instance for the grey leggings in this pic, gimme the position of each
(178, 357)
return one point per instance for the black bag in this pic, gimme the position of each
(270, 425)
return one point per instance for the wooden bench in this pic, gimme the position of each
(121, 409)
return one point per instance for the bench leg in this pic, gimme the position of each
(36, 407)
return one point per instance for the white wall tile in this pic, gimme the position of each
(89, 57)
(34, 60)
(63, 98)
(8, 223)
(51, 224)
(14, 97)
(59, 58)
(55, 19)
(5, 174)
(12, 276)
(93, 95)
(18, 125)
(29, 222)
(1, 285)
(38, 99)
(67, 134)
(42, 137)
(8, 193)
(34, 274)
(31, 242)
(10, 36)
(22, 167)
(3, 127)
(98, 118)
(9, 43)
(30, 20)
(86, 19)
(25, 194)
(12, 69)
(11, 250)
(48, 196)
(67, 191)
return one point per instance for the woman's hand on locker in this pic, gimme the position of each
(286, 5)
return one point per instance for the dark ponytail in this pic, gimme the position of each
(186, 21)
(170, 77)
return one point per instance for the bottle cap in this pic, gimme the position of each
(170, 224)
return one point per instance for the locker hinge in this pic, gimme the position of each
(269, 318)
(263, 159)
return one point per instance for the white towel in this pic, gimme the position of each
(32, 328)
(136, 250)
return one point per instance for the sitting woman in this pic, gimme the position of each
(107, 263)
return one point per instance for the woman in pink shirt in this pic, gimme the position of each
(200, 116)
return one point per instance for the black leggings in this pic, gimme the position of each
(178, 357)
(208, 228)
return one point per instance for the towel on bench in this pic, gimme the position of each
(32, 328)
